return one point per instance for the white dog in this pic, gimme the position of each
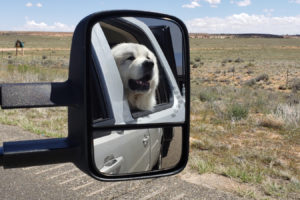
(139, 72)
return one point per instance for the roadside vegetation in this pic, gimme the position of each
(46, 59)
(245, 116)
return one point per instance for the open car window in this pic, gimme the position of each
(120, 31)
(124, 30)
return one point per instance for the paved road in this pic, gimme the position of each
(64, 181)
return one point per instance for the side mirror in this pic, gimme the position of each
(127, 96)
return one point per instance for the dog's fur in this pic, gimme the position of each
(139, 72)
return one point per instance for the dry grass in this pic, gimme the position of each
(36, 66)
(290, 114)
(50, 122)
(242, 125)
(270, 121)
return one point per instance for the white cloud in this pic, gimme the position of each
(193, 4)
(245, 23)
(242, 3)
(213, 1)
(294, 1)
(29, 4)
(32, 25)
(39, 5)
(268, 11)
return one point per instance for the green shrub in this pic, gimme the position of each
(239, 60)
(195, 65)
(232, 69)
(261, 104)
(250, 71)
(237, 111)
(295, 84)
(262, 77)
(207, 96)
(249, 65)
(197, 59)
(245, 173)
(10, 68)
(250, 82)
(23, 69)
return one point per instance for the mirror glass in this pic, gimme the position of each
(138, 63)
(132, 151)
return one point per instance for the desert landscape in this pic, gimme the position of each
(245, 106)
(46, 59)
(245, 115)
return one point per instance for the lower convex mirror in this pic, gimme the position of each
(136, 151)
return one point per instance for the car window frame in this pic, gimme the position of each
(160, 107)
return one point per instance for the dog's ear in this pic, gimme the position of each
(117, 55)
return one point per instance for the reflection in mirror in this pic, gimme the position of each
(140, 64)
(141, 61)
(137, 151)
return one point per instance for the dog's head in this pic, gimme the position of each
(137, 66)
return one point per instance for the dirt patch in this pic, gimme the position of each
(214, 181)
(219, 182)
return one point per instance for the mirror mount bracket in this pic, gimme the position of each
(31, 95)
(36, 152)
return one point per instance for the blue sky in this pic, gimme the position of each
(205, 16)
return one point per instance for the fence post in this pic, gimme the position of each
(287, 78)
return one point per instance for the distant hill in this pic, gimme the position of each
(192, 35)
(244, 35)
(37, 33)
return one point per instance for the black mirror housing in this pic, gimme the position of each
(76, 94)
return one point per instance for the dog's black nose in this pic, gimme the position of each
(148, 65)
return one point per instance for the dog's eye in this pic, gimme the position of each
(130, 58)
(148, 57)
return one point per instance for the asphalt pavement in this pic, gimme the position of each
(65, 181)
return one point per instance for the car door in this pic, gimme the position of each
(123, 151)
(156, 147)
(118, 151)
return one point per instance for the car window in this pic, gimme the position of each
(117, 32)
(156, 97)
(176, 38)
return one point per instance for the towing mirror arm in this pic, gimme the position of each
(31, 95)
(36, 152)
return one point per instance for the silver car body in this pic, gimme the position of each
(131, 150)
